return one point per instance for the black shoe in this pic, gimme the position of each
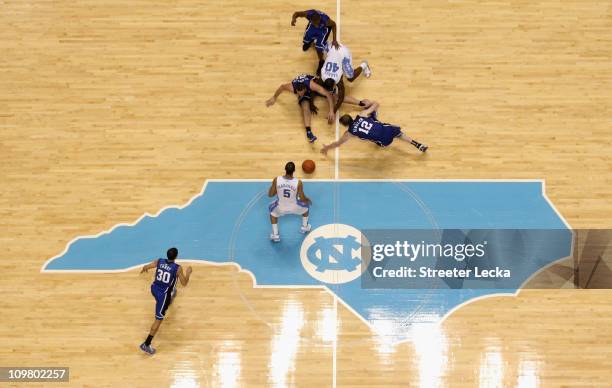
(423, 148)
(311, 137)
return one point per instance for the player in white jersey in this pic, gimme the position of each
(338, 62)
(290, 200)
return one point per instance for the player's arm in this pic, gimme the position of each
(272, 191)
(332, 24)
(149, 266)
(301, 196)
(184, 277)
(340, 95)
(321, 90)
(373, 106)
(298, 14)
(288, 87)
(345, 137)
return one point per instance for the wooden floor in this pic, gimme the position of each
(111, 109)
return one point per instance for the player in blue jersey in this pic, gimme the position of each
(306, 87)
(163, 289)
(366, 126)
(317, 31)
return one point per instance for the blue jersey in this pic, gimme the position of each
(302, 79)
(369, 128)
(324, 19)
(165, 276)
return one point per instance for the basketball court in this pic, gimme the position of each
(130, 128)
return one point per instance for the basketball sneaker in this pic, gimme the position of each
(147, 348)
(274, 237)
(367, 71)
(423, 148)
(305, 229)
(311, 136)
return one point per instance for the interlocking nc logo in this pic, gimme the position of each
(332, 253)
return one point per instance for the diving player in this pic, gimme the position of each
(163, 289)
(338, 62)
(367, 127)
(290, 200)
(304, 85)
(317, 31)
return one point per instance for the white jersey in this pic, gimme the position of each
(286, 189)
(338, 62)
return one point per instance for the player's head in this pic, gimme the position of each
(315, 19)
(346, 120)
(289, 168)
(329, 84)
(300, 89)
(172, 253)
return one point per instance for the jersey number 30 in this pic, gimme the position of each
(163, 276)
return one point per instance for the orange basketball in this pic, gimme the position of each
(308, 166)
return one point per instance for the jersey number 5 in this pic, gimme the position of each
(287, 193)
(163, 276)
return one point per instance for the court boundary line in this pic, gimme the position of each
(319, 286)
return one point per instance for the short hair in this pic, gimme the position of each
(316, 17)
(329, 84)
(346, 120)
(300, 87)
(172, 254)
(290, 168)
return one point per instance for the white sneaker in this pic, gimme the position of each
(367, 72)
(274, 237)
(305, 229)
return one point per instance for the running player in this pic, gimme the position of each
(317, 31)
(163, 290)
(367, 127)
(290, 200)
(338, 62)
(304, 85)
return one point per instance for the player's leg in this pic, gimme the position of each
(306, 227)
(308, 38)
(162, 301)
(274, 214)
(320, 45)
(406, 138)
(307, 115)
(275, 236)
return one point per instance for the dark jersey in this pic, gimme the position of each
(369, 128)
(324, 19)
(165, 275)
(302, 79)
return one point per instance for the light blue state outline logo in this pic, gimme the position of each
(228, 223)
(332, 253)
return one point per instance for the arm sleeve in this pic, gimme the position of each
(347, 67)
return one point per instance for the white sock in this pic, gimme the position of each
(363, 66)
(275, 229)
(304, 221)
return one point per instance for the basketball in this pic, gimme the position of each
(308, 166)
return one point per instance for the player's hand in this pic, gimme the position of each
(189, 270)
(293, 21)
(367, 103)
(324, 150)
(330, 117)
(271, 101)
(335, 44)
(144, 269)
